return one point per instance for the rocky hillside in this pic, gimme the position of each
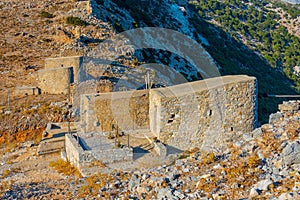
(292, 1)
(33, 30)
(36, 30)
(233, 32)
(262, 164)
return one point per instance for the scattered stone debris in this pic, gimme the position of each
(264, 164)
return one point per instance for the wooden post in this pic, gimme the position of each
(8, 99)
(69, 129)
(128, 140)
(133, 121)
(148, 80)
(69, 92)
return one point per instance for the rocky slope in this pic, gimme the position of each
(292, 1)
(34, 30)
(214, 26)
(262, 164)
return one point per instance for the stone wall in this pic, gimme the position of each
(115, 110)
(78, 157)
(26, 90)
(115, 155)
(74, 152)
(205, 113)
(55, 80)
(73, 61)
(90, 87)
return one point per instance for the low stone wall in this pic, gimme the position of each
(55, 81)
(26, 90)
(51, 146)
(115, 155)
(74, 152)
(77, 156)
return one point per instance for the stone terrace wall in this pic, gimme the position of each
(74, 61)
(90, 87)
(56, 80)
(191, 115)
(125, 110)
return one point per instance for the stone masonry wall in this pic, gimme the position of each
(122, 110)
(26, 90)
(75, 154)
(56, 80)
(79, 157)
(74, 61)
(205, 113)
(90, 87)
(115, 155)
(72, 150)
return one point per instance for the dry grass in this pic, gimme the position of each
(254, 161)
(97, 163)
(5, 173)
(97, 181)
(207, 158)
(94, 184)
(65, 168)
(11, 146)
(237, 172)
(5, 186)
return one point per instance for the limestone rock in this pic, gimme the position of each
(263, 185)
(165, 193)
(291, 153)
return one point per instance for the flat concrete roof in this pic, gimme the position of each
(198, 86)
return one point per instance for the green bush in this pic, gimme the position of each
(75, 21)
(45, 14)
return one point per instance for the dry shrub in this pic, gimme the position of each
(65, 168)
(293, 130)
(5, 173)
(10, 146)
(97, 163)
(94, 183)
(238, 171)
(254, 161)
(208, 158)
(4, 186)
